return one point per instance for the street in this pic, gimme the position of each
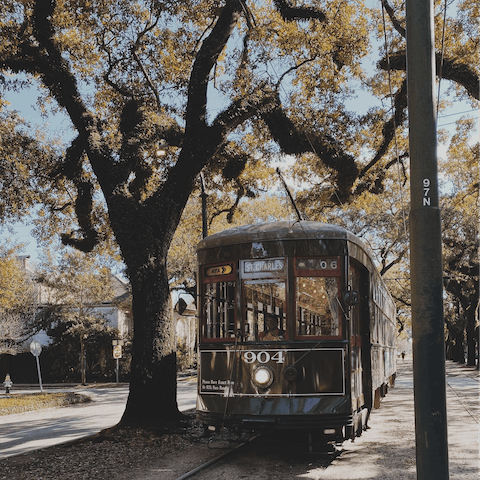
(24, 432)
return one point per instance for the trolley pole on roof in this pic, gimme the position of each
(426, 249)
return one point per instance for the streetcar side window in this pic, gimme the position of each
(265, 310)
(317, 307)
(219, 310)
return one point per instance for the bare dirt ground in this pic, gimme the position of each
(124, 454)
(133, 454)
(384, 452)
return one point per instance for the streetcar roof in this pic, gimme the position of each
(279, 231)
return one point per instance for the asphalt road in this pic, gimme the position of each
(24, 432)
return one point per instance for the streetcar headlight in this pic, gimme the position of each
(263, 377)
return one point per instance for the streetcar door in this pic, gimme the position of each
(356, 364)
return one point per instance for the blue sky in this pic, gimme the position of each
(59, 126)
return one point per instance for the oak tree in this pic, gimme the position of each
(219, 86)
(130, 75)
(460, 213)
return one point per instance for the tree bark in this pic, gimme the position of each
(144, 232)
(153, 384)
(83, 373)
(458, 355)
(470, 334)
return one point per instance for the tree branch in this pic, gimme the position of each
(460, 73)
(111, 65)
(292, 69)
(401, 300)
(72, 169)
(393, 18)
(205, 60)
(231, 211)
(388, 130)
(386, 267)
(83, 210)
(242, 109)
(148, 28)
(290, 13)
(54, 68)
(293, 141)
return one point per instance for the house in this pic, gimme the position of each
(18, 361)
(117, 312)
(184, 316)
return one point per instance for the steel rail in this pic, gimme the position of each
(205, 465)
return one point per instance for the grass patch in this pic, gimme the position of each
(18, 403)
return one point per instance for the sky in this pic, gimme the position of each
(59, 125)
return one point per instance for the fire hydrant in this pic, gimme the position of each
(7, 383)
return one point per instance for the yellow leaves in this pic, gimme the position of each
(460, 169)
(182, 253)
(78, 281)
(14, 283)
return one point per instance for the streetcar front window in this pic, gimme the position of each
(219, 310)
(317, 307)
(265, 310)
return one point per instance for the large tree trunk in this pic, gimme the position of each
(458, 351)
(153, 386)
(83, 366)
(144, 229)
(448, 348)
(470, 333)
(144, 236)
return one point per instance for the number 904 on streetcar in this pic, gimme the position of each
(296, 330)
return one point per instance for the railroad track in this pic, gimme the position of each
(265, 457)
(267, 452)
(215, 460)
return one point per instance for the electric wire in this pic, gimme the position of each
(229, 385)
(441, 56)
(451, 123)
(458, 113)
(402, 199)
(277, 78)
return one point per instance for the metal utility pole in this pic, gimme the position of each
(426, 248)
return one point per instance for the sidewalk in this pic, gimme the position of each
(387, 450)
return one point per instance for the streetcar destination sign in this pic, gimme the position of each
(255, 266)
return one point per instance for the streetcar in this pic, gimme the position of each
(296, 330)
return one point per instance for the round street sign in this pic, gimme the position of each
(35, 348)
